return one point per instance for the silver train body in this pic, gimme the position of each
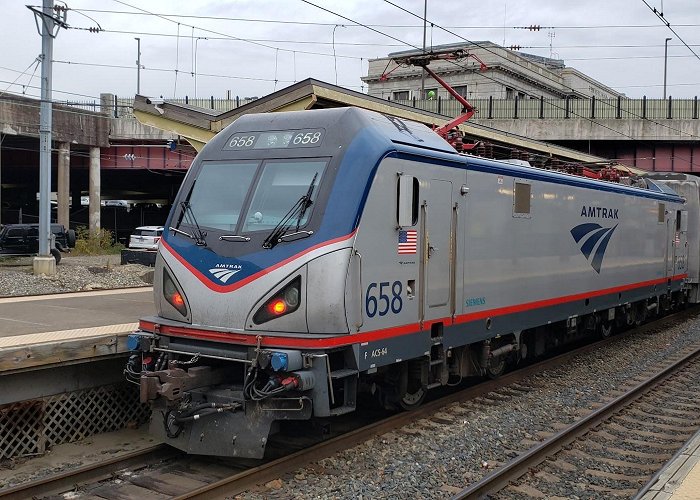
(314, 256)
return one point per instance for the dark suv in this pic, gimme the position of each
(23, 239)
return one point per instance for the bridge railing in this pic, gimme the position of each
(542, 108)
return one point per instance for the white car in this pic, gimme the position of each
(146, 237)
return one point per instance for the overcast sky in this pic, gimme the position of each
(618, 42)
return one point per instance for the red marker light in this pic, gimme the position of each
(278, 307)
(177, 299)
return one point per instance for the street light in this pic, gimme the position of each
(195, 63)
(665, 62)
(335, 63)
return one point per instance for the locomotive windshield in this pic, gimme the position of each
(281, 184)
(251, 196)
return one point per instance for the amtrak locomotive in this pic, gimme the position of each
(313, 256)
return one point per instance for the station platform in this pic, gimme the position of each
(680, 478)
(51, 329)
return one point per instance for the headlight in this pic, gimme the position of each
(285, 301)
(172, 294)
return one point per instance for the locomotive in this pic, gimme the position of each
(311, 257)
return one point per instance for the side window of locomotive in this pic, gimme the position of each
(218, 193)
(662, 213)
(522, 195)
(280, 188)
(407, 201)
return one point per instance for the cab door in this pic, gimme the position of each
(680, 243)
(439, 212)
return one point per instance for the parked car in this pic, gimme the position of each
(116, 203)
(23, 239)
(146, 237)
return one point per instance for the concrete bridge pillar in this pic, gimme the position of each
(63, 192)
(94, 187)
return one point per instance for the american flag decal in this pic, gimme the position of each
(408, 241)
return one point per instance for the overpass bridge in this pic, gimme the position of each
(649, 134)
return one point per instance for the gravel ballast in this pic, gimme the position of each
(438, 456)
(73, 274)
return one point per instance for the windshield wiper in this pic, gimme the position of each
(296, 212)
(233, 237)
(306, 200)
(199, 236)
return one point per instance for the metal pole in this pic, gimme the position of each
(422, 72)
(665, 62)
(335, 62)
(138, 65)
(45, 129)
(195, 65)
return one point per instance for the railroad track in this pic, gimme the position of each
(168, 474)
(614, 450)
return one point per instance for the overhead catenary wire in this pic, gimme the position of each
(245, 40)
(34, 63)
(617, 132)
(497, 54)
(176, 15)
(407, 26)
(660, 15)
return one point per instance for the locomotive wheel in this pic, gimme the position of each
(413, 387)
(411, 400)
(605, 329)
(496, 367)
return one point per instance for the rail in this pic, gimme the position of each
(63, 481)
(519, 466)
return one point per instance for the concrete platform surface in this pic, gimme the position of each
(71, 311)
(680, 479)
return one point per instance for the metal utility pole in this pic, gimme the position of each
(45, 130)
(44, 263)
(422, 72)
(666, 62)
(138, 65)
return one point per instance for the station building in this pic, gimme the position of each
(489, 71)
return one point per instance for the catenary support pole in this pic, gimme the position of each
(44, 263)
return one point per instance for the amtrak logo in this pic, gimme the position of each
(593, 239)
(224, 272)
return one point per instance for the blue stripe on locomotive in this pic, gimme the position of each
(342, 213)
